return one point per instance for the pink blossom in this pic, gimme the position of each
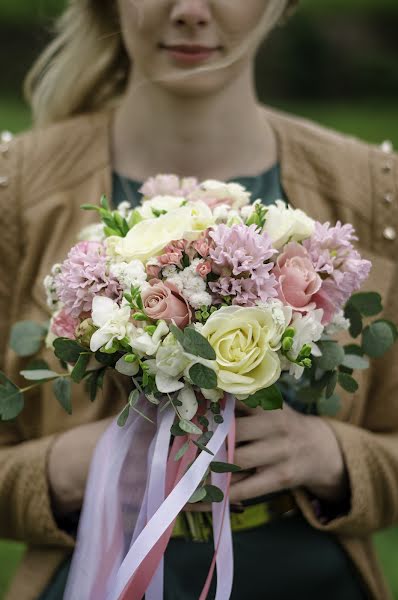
(204, 268)
(246, 292)
(163, 300)
(64, 325)
(152, 271)
(168, 185)
(202, 245)
(297, 279)
(84, 274)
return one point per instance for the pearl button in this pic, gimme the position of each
(390, 234)
(6, 137)
(388, 198)
(387, 147)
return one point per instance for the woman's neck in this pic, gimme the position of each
(220, 136)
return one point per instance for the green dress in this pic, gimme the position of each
(286, 559)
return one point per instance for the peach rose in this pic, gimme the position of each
(298, 281)
(162, 300)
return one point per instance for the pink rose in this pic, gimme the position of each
(204, 268)
(64, 325)
(164, 301)
(298, 281)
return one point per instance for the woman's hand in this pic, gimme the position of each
(68, 465)
(284, 449)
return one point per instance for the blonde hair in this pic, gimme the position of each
(86, 67)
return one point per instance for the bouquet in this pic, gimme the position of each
(200, 297)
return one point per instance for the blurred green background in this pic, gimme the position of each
(335, 62)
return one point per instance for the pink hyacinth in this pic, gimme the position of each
(168, 185)
(239, 249)
(246, 292)
(84, 274)
(333, 254)
(64, 325)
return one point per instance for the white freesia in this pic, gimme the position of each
(149, 237)
(211, 189)
(145, 344)
(124, 209)
(308, 330)
(189, 403)
(92, 233)
(113, 322)
(159, 204)
(125, 368)
(282, 315)
(129, 274)
(202, 219)
(284, 223)
(240, 337)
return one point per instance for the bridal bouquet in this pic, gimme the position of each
(200, 297)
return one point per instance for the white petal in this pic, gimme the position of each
(102, 310)
(99, 339)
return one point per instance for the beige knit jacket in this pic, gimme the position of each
(44, 177)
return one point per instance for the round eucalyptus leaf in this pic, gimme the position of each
(377, 339)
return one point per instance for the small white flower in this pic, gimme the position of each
(189, 403)
(130, 274)
(212, 189)
(282, 315)
(247, 211)
(124, 209)
(160, 205)
(113, 322)
(221, 213)
(308, 330)
(146, 344)
(51, 291)
(283, 224)
(199, 299)
(168, 271)
(339, 323)
(92, 233)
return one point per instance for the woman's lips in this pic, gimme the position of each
(189, 54)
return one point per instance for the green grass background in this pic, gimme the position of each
(372, 120)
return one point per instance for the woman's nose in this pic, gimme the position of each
(191, 13)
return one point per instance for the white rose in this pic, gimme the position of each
(212, 189)
(148, 238)
(284, 224)
(159, 204)
(241, 339)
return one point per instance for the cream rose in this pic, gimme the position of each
(149, 237)
(158, 205)
(284, 223)
(241, 340)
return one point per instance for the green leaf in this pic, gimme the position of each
(329, 406)
(202, 447)
(352, 361)
(269, 398)
(39, 375)
(62, 389)
(353, 349)
(89, 207)
(133, 397)
(196, 344)
(213, 493)
(367, 304)
(309, 395)
(348, 383)
(198, 495)
(377, 339)
(222, 467)
(11, 399)
(203, 377)
(104, 202)
(68, 350)
(331, 384)
(27, 337)
(79, 370)
(189, 427)
(181, 451)
(176, 430)
(332, 356)
(178, 334)
(108, 360)
(37, 363)
(94, 382)
(124, 415)
(354, 316)
(390, 324)
(218, 419)
(203, 421)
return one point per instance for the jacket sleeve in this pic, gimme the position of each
(371, 451)
(25, 505)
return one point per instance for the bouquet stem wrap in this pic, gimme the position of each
(135, 491)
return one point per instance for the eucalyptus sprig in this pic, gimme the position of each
(114, 223)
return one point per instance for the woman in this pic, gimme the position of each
(131, 89)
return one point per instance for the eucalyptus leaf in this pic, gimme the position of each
(390, 324)
(27, 337)
(176, 430)
(68, 350)
(377, 339)
(331, 384)
(368, 304)
(269, 398)
(355, 318)
(189, 427)
(353, 361)
(202, 447)
(348, 383)
(329, 406)
(222, 467)
(309, 395)
(181, 451)
(79, 370)
(62, 389)
(332, 356)
(203, 376)
(353, 349)
(39, 375)
(198, 495)
(124, 415)
(213, 493)
(37, 363)
(196, 344)
(11, 399)
(178, 334)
